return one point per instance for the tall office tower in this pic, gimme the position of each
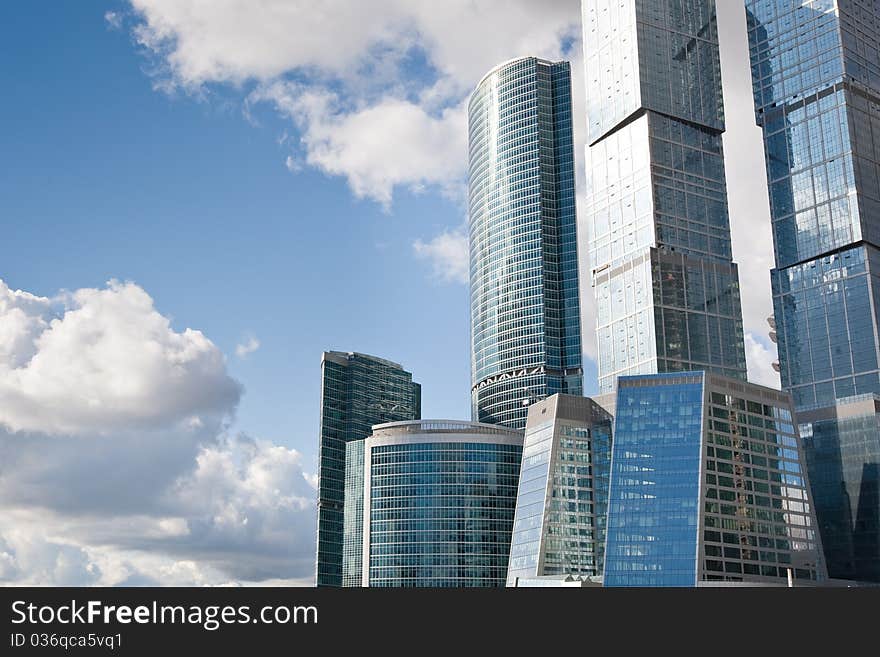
(708, 485)
(437, 503)
(666, 286)
(561, 504)
(357, 391)
(525, 307)
(816, 80)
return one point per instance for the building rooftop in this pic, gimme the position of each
(442, 426)
(347, 355)
(502, 65)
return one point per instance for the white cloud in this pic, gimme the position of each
(448, 255)
(104, 359)
(115, 464)
(760, 356)
(230, 41)
(28, 558)
(253, 496)
(21, 322)
(249, 346)
(378, 147)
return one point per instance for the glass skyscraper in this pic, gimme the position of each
(816, 80)
(437, 504)
(525, 308)
(357, 391)
(559, 525)
(708, 484)
(666, 286)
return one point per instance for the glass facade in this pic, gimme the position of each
(559, 524)
(826, 324)
(666, 287)
(708, 484)
(357, 391)
(653, 508)
(439, 504)
(816, 81)
(353, 532)
(842, 446)
(525, 309)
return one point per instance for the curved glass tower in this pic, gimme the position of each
(438, 503)
(525, 309)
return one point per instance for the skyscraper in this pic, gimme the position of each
(708, 484)
(437, 506)
(816, 80)
(525, 308)
(666, 286)
(357, 391)
(559, 525)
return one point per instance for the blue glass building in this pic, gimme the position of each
(708, 484)
(438, 504)
(525, 309)
(816, 79)
(561, 504)
(666, 286)
(357, 391)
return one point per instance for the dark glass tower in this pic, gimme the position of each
(357, 391)
(816, 79)
(666, 286)
(525, 306)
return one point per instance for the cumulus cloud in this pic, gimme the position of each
(31, 559)
(377, 148)
(227, 41)
(116, 462)
(246, 348)
(249, 496)
(22, 319)
(448, 255)
(100, 359)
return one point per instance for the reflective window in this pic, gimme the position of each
(441, 513)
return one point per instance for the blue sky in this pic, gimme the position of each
(289, 178)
